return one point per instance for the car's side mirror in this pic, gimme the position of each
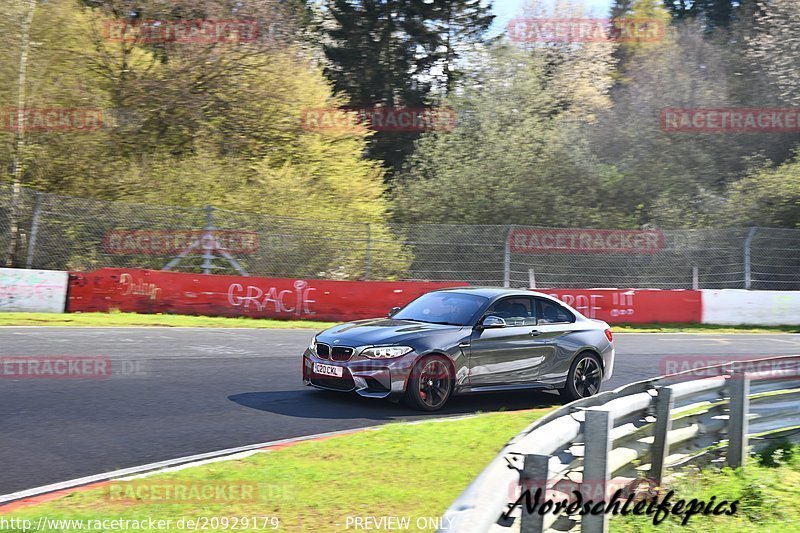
(394, 311)
(492, 322)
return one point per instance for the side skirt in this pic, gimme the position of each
(501, 388)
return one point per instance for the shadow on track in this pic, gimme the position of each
(312, 403)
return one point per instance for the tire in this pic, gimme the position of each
(584, 379)
(431, 384)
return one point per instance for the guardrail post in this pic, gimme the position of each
(665, 402)
(534, 475)
(597, 437)
(738, 408)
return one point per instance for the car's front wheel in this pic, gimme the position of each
(430, 384)
(584, 378)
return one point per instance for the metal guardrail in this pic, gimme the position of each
(638, 431)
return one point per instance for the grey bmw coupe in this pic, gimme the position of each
(464, 340)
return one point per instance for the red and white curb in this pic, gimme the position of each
(46, 493)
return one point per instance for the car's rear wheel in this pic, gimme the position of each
(430, 384)
(584, 378)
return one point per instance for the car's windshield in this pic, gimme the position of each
(452, 308)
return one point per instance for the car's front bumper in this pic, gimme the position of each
(371, 378)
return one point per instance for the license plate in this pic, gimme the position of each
(328, 370)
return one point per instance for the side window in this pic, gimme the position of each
(517, 311)
(552, 313)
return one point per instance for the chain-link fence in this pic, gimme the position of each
(60, 232)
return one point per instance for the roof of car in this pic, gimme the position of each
(493, 292)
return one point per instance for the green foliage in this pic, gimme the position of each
(547, 133)
(769, 197)
(766, 497)
(780, 452)
(193, 124)
(515, 155)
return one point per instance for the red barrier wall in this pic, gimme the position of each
(153, 291)
(634, 306)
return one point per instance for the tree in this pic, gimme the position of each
(774, 45)
(55, 80)
(515, 155)
(191, 124)
(712, 14)
(174, 87)
(462, 25)
(652, 11)
(679, 179)
(386, 53)
(19, 134)
(380, 54)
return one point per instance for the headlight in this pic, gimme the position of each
(386, 352)
(313, 345)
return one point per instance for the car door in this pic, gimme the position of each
(558, 328)
(512, 354)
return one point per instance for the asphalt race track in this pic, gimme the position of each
(177, 392)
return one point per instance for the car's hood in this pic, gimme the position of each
(380, 331)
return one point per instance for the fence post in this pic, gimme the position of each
(665, 402)
(534, 475)
(738, 408)
(14, 216)
(37, 208)
(695, 278)
(368, 253)
(208, 252)
(748, 270)
(507, 258)
(597, 438)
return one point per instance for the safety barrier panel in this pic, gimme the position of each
(757, 308)
(637, 432)
(32, 291)
(634, 306)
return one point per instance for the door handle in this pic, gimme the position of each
(535, 333)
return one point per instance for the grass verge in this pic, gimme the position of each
(137, 320)
(400, 470)
(766, 490)
(700, 328)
